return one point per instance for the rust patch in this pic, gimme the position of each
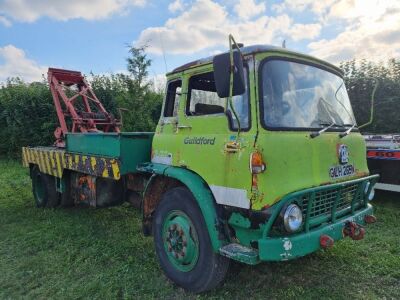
(136, 182)
(83, 189)
(157, 187)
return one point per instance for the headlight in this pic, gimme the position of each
(366, 187)
(371, 194)
(293, 218)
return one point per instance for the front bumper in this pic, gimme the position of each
(285, 248)
(329, 212)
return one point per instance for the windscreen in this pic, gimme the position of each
(297, 95)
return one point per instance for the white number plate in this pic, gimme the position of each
(341, 171)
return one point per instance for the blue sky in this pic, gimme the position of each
(93, 35)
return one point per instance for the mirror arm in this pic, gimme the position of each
(371, 118)
(232, 70)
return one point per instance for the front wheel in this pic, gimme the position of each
(183, 244)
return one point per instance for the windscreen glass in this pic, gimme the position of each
(296, 95)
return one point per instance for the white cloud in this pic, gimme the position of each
(304, 31)
(16, 64)
(368, 28)
(353, 9)
(247, 9)
(31, 10)
(176, 6)
(158, 82)
(5, 21)
(207, 24)
(317, 7)
(372, 31)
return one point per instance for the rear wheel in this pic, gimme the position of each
(38, 188)
(183, 244)
(44, 189)
(66, 197)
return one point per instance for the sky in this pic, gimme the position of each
(94, 36)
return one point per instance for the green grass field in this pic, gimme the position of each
(101, 254)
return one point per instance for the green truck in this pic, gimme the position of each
(256, 157)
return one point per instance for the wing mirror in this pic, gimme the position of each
(222, 74)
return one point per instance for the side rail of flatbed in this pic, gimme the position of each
(53, 161)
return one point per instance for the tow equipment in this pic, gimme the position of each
(256, 157)
(80, 105)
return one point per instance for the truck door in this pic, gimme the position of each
(166, 132)
(207, 130)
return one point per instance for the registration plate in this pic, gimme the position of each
(340, 171)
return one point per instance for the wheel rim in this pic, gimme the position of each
(39, 189)
(180, 240)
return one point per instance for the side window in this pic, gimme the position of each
(203, 100)
(172, 98)
(241, 106)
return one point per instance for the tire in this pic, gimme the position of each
(44, 189)
(183, 245)
(53, 197)
(66, 199)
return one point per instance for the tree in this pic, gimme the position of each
(360, 78)
(142, 103)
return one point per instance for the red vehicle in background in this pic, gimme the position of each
(383, 155)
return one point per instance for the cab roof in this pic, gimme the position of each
(251, 50)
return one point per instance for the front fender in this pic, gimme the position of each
(201, 192)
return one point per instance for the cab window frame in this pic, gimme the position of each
(175, 80)
(228, 115)
(261, 92)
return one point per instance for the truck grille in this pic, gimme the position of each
(322, 205)
(325, 200)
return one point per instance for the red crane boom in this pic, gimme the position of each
(79, 104)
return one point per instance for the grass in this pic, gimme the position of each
(101, 254)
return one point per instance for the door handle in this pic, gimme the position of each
(232, 147)
(184, 126)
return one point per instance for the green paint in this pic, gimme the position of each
(201, 193)
(290, 246)
(130, 148)
(286, 248)
(311, 193)
(244, 234)
(180, 241)
(240, 253)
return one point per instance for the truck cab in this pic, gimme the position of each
(289, 97)
(284, 162)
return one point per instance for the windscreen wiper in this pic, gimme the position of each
(347, 132)
(318, 133)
